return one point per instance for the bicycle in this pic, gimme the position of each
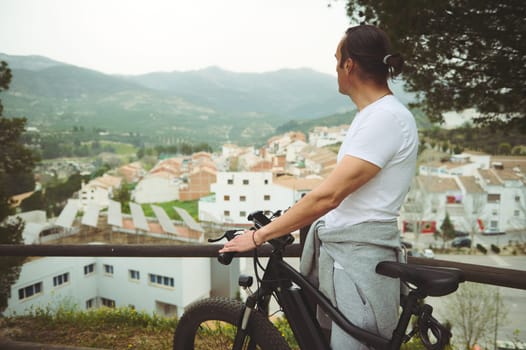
(248, 325)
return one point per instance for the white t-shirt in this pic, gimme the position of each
(383, 133)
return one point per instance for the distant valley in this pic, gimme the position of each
(209, 105)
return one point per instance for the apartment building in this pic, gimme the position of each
(505, 204)
(490, 200)
(279, 144)
(161, 285)
(322, 136)
(98, 191)
(237, 194)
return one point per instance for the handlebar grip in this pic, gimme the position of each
(225, 258)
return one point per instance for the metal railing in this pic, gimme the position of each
(474, 273)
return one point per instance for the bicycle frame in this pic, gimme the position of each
(294, 291)
(299, 300)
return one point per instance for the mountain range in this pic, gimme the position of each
(209, 105)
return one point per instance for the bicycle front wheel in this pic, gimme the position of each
(211, 324)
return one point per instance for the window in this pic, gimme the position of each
(161, 280)
(29, 291)
(134, 275)
(226, 213)
(108, 269)
(516, 213)
(89, 269)
(226, 198)
(266, 197)
(230, 182)
(60, 279)
(243, 214)
(108, 302)
(493, 198)
(266, 182)
(517, 198)
(454, 199)
(242, 198)
(90, 303)
(245, 182)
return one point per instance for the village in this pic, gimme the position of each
(481, 194)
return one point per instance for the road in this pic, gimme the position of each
(514, 299)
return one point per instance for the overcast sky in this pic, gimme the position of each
(140, 36)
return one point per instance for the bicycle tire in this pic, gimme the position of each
(190, 333)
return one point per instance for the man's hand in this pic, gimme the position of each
(240, 243)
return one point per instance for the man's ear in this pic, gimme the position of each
(348, 65)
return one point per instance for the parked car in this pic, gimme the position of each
(461, 242)
(428, 253)
(493, 232)
(461, 234)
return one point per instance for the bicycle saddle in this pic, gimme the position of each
(430, 280)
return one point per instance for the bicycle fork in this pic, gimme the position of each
(249, 308)
(242, 329)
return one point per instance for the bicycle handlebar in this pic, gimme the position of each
(259, 219)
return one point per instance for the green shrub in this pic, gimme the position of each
(284, 328)
(104, 316)
(495, 249)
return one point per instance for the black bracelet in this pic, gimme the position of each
(254, 239)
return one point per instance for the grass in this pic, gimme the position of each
(120, 147)
(105, 328)
(190, 206)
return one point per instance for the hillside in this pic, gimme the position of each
(299, 93)
(209, 105)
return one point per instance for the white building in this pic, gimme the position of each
(279, 144)
(491, 201)
(237, 194)
(322, 136)
(506, 199)
(162, 186)
(464, 164)
(294, 150)
(428, 201)
(99, 191)
(161, 285)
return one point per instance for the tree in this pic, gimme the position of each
(123, 196)
(14, 159)
(447, 229)
(10, 233)
(504, 148)
(460, 54)
(36, 201)
(473, 310)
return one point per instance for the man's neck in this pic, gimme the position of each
(366, 94)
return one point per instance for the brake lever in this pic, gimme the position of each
(229, 235)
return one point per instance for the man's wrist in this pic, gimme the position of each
(255, 240)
